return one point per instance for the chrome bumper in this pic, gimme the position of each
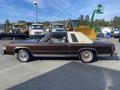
(114, 54)
(2, 52)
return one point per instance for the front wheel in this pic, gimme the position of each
(23, 56)
(86, 56)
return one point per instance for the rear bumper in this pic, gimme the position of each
(114, 54)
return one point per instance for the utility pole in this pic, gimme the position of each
(36, 6)
(119, 35)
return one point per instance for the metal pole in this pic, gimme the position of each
(36, 12)
(36, 7)
(119, 35)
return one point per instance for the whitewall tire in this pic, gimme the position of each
(86, 56)
(23, 55)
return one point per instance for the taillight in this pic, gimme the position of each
(113, 48)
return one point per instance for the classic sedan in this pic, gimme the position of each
(59, 44)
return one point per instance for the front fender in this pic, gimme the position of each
(16, 49)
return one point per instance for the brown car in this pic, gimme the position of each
(59, 44)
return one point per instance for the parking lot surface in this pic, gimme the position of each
(60, 73)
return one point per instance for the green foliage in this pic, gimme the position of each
(21, 21)
(46, 24)
(7, 26)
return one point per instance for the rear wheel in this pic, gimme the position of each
(23, 55)
(86, 56)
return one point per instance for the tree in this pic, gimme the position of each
(116, 21)
(21, 21)
(47, 24)
(7, 26)
(28, 23)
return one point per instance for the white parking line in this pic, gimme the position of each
(11, 68)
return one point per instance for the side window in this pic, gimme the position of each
(69, 24)
(57, 39)
(74, 38)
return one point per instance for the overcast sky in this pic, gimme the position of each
(56, 9)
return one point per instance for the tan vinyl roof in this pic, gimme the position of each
(80, 36)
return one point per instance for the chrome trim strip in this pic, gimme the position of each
(114, 54)
(103, 54)
(55, 55)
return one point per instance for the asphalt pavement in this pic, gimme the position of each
(60, 73)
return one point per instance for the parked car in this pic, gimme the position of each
(59, 44)
(116, 33)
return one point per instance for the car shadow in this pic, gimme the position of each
(109, 58)
(54, 58)
(74, 76)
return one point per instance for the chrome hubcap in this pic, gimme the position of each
(87, 56)
(23, 56)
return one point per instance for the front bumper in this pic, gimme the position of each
(2, 52)
(116, 35)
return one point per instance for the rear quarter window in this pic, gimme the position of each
(74, 38)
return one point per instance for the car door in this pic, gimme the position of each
(55, 45)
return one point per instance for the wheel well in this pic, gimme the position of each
(18, 49)
(93, 50)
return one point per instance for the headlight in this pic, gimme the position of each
(4, 47)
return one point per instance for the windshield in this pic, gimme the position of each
(58, 26)
(38, 27)
(75, 23)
